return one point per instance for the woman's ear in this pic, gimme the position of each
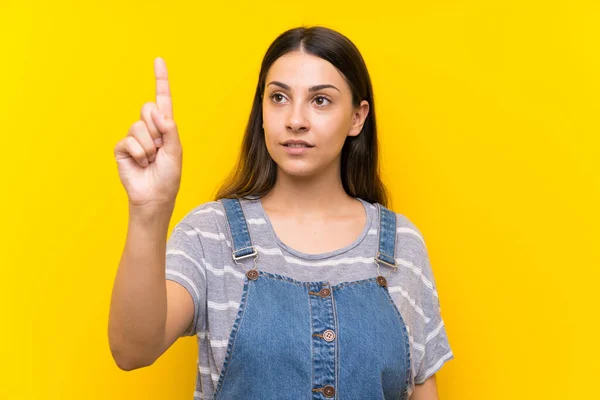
(359, 116)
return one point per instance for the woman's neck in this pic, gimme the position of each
(316, 196)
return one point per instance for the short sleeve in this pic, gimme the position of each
(436, 347)
(184, 265)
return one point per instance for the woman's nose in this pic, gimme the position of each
(297, 119)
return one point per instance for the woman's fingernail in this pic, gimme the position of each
(158, 142)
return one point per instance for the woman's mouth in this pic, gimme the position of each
(296, 148)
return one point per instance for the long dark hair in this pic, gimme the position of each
(255, 172)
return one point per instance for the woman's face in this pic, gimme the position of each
(296, 106)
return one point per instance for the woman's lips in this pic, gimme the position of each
(296, 150)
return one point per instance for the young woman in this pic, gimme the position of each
(297, 280)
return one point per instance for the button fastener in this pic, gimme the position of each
(328, 391)
(381, 281)
(324, 292)
(252, 274)
(329, 335)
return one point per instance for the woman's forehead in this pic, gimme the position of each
(301, 71)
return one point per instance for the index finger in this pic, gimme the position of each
(163, 90)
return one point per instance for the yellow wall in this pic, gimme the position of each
(488, 115)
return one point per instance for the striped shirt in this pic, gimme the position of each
(199, 257)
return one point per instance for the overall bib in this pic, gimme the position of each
(312, 340)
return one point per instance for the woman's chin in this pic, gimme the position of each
(297, 169)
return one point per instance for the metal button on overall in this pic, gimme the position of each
(324, 292)
(252, 274)
(329, 335)
(381, 281)
(328, 391)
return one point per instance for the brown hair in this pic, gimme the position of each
(255, 172)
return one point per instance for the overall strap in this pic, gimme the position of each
(242, 243)
(387, 236)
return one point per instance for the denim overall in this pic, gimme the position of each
(312, 340)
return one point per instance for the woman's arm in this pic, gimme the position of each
(426, 391)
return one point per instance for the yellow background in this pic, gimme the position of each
(488, 114)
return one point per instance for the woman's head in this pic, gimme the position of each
(336, 118)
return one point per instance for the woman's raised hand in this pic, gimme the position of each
(149, 158)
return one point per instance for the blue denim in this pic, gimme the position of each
(295, 340)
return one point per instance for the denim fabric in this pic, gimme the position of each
(277, 348)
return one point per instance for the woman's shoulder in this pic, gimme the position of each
(207, 215)
(410, 242)
(405, 227)
(210, 218)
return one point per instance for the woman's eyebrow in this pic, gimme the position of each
(310, 89)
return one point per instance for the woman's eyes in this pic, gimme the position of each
(319, 97)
